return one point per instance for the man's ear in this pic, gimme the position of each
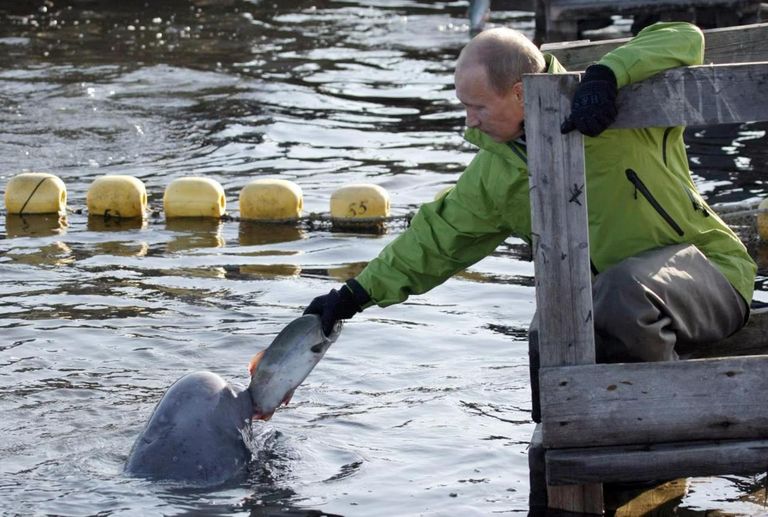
(517, 91)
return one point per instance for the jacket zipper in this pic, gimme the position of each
(664, 144)
(640, 186)
(518, 152)
(694, 203)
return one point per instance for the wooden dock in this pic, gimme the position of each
(633, 422)
(566, 20)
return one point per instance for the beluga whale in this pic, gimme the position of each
(200, 431)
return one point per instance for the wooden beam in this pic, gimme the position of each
(696, 96)
(559, 223)
(741, 44)
(583, 498)
(644, 403)
(671, 460)
(685, 96)
(581, 8)
(560, 247)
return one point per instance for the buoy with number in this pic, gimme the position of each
(271, 200)
(118, 196)
(359, 203)
(35, 193)
(194, 196)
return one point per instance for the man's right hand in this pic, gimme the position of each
(594, 103)
(338, 304)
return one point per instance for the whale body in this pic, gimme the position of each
(199, 433)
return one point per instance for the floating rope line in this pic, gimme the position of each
(742, 217)
(311, 221)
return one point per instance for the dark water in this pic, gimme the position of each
(419, 409)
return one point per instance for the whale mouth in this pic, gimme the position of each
(262, 416)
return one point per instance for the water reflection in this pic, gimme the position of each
(52, 254)
(97, 223)
(270, 270)
(252, 233)
(120, 248)
(347, 271)
(192, 232)
(34, 225)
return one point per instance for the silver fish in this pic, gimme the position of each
(478, 14)
(278, 370)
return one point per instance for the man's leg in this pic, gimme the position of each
(648, 303)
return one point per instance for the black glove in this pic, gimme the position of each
(594, 104)
(339, 304)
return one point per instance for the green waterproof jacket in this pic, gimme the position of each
(640, 193)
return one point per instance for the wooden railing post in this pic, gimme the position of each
(559, 223)
(560, 247)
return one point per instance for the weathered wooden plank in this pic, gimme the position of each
(688, 96)
(559, 223)
(643, 403)
(670, 460)
(577, 8)
(586, 498)
(537, 474)
(572, 498)
(694, 96)
(741, 44)
(560, 246)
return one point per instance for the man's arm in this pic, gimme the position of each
(451, 233)
(656, 48)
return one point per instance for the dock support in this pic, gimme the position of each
(561, 253)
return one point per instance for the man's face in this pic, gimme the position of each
(498, 115)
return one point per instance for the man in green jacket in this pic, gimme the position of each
(667, 269)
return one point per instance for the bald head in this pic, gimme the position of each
(505, 54)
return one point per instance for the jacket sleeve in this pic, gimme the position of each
(656, 48)
(452, 232)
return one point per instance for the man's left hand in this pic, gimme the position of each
(594, 104)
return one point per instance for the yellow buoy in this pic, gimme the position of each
(194, 197)
(359, 202)
(123, 197)
(271, 200)
(762, 219)
(35, 193)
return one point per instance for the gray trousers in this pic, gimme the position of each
(647, 304)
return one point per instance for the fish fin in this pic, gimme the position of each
(254, 362)
(288, 397)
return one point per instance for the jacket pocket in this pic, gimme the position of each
(640, 187)
(695, 203)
